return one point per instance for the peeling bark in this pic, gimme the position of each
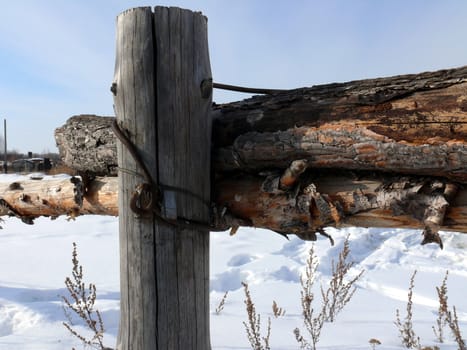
(346, 146)
(410, 124)
(313, 202)
(410, 107)
(339, 200)
(387, 152)
(33, 198)
(30, 199)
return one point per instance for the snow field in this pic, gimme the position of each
(34, 261)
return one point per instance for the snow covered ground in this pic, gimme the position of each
(34, 261)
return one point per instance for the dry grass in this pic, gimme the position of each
(453, 323)
(313, 323)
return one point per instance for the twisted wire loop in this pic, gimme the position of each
(143, 201)
(147, 197)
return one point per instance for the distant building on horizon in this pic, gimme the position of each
(29, 165)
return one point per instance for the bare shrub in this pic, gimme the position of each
(441, 320)
(80, 303)
(406, 332)
(336, 296)
(253, 326)
(447, 317)
(313, 323)
(453, 323)
(339, 291)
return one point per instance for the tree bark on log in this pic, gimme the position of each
(30, 199)
(404, 107)
(328, 198)
(87, 144)
(264, 201)
(71, 196)
(409, 124)
(394, 150)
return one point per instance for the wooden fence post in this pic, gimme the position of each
(161, 63)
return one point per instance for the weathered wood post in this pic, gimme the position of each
(161, 63)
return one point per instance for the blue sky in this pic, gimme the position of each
(57, 56)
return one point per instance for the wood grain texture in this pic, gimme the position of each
(101, 197)
(184, 134)
(413, 124)
(134, 102)
(381, 129)
(162, 58)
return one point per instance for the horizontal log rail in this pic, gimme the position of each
(53, 197)
(410, 124)
(293, 202)
(387, 152)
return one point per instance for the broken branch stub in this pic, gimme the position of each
(343, 199)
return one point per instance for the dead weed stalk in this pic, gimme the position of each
(221, 304)
(340, 290)
(406, 332)
(441, 320)
(334, 298)
(80, 302)
(253, 326)
(447, 317)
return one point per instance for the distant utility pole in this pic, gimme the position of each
(5, 160)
